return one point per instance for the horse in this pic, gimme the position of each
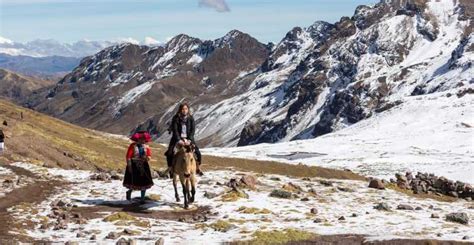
(184, 167)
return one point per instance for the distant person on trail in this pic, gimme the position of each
(182, 129)
(137, 173)
(2, 142)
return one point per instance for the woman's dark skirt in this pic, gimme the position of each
(140, 176)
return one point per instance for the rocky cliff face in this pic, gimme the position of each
(127, 85)
(316, 80)
(358, 67)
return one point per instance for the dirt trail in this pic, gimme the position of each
(35, 192)
(137, 211)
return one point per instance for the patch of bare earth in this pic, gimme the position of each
(33, 193)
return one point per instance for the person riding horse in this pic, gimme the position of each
(182, 129)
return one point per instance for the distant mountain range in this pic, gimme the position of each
(316, 80)
(51, 47)
(51, 58)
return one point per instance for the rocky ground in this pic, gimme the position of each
(56, 205)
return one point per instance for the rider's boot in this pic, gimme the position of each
(198, 169)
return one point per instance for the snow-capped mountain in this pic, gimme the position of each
(316, 80)
(51, 47)
(127, 85)
(326, 77)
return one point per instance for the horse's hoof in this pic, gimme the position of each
(186, 207)
(178, 200)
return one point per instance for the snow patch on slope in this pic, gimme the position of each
(430, 133)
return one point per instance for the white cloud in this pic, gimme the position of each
(128, 40)
(218, 5)
(5, 41)
(149, 41)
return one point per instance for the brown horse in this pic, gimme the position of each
(184, 167)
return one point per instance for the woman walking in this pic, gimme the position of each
(137, 172)
(182, 128)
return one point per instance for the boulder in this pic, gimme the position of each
(404, 207)
(249, 181)
(376, 184)
(460, 218)
(281, 194)
(382, 207)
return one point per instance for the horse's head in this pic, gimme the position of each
(188, 160)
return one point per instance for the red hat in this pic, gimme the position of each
(141, 135)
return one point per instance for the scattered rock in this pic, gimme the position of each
(292, 187)
(71, 243)
(434, 216)
(234, 195)
(382, 207)
(100, 177)
(112, 235)
(93, 238)
(345, 189)
(130, 232)
(275, 179)
(318, 220)
(249, 181)
(123, 241)
(461, 218)
(314, 211)
(116, 176)
(326, 182)
(376, 184)
(341, 218)
(210, 195)
(281, 194)
(418, 208)
(465, 237)
(404, 207)
(354, 215)
(304, 199)
(200, 218)
(160, 241)
(59, 203)
(312, 192)
(430, 183)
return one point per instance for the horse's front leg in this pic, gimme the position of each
(175, 185)
(185, 193)
(193, 189)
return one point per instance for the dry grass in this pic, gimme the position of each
(279, 237)
(38, 138)
(269, 167)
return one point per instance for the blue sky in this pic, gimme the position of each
(72, 20)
